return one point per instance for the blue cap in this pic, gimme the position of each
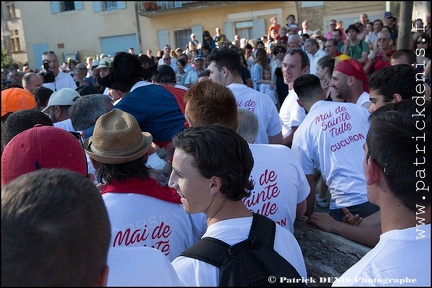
(388, 14)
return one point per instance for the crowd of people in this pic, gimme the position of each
(113, 167)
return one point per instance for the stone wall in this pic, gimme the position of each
(326, 254)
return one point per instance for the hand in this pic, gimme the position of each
(346, 42)
(372, 55)
(272, 85)
(325, 84)
(350, 218)
(322, 220)
(100, 186)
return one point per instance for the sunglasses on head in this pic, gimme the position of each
(48, 52)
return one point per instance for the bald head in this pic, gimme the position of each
(31, 81)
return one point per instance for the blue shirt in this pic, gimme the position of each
(155, 109)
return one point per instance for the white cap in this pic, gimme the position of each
(105, 63)
(62, 97)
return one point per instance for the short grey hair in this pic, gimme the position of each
(247, 126)
(87, 109)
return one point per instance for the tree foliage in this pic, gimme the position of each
(6, 60)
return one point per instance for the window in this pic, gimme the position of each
(10, 8)
(305, 4)
(67, 6)
(182, 38)
(110, 5)
(15, 43)
(244, 29)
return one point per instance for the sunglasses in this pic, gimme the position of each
(421, 42)
(48, 52)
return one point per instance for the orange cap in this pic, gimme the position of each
(16, 99)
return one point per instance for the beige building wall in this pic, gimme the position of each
(73, 30)
(83, 30)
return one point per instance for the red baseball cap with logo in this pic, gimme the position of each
(42, 147)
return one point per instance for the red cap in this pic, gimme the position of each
(352, 67)
(42, 147)
(16, 99)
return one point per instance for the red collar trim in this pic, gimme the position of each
(149, 187)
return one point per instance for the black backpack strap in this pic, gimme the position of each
(264, 230)
(210, 250)
(219, 253)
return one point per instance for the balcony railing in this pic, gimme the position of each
(149, 7)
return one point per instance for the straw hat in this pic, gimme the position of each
(117, 139)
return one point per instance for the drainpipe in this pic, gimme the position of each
(138, 32)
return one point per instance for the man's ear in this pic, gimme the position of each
(94, 163)
(91, 177)
(57, 110)
(225, 72)
(397, 97)
(373, 171)
(102, 280)
(215, 185)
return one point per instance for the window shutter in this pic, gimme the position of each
(97, 6)
(258, 28)
(197, 30)
(163, 38)
(55, 7)
(79, 5)
(228, 31)
(121, 4)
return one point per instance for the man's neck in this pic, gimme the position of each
(235, 80)
(354, 42)
(395, 216)
(353, 97)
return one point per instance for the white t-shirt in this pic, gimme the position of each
(291, 113)
(331, 139)
(140, 220)
(280, 184)
(269, 121)
(265, 88)
(65, 125)
(399, 255)
(140, 266)
(364, 100)
(194, 272)
(173, 63)
(313, 59)
(63, 80)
